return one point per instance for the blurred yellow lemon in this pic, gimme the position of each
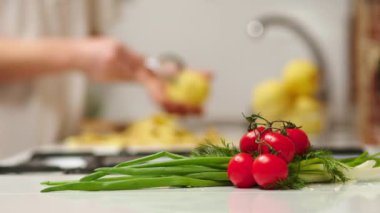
(190, 88)
(301, 77)
(271, 99)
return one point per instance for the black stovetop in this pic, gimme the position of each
(39, 161)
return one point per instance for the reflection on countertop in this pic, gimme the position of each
(351, 197)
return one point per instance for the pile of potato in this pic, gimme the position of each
(161, 130)
(293, 97)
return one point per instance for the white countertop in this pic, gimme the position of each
(20, 193)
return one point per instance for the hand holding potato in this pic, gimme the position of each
(190, 87)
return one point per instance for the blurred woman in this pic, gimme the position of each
(46, 58)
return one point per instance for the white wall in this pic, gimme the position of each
(211, 34)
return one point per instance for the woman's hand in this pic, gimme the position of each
(108, 60)
(157, 90)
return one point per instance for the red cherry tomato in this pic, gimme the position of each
(248, 140)
(267, 169)
(280, 143)
(239, 170)
(300, 140)
(261, 129)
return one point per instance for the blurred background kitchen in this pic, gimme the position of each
(316, 63)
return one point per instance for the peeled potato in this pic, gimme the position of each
(160, 129)
(271, 99)
(308, 113)
(301, 77)
(307, 104)
(190, 88)
(311, 123)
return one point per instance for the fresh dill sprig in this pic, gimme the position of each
(320, 153)
(333, 167)
(318, 161)
(209, 149)
(292, 182)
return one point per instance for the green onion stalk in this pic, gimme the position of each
(207, 167)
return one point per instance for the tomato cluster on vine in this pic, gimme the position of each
(266, 149)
